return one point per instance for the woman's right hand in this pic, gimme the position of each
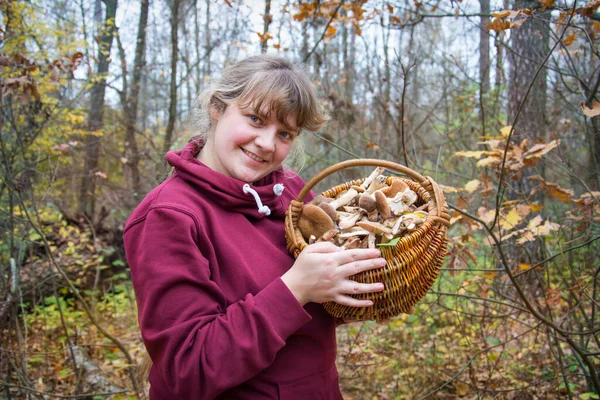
(321, 273)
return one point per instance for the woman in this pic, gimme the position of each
(225, 311)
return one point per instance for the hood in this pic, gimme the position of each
(228, 192)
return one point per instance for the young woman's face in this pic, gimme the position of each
(245, 145)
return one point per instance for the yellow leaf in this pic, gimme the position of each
(524, 267)
(490, 275)
(487, 161)
(527, 237)
(569, 39)
(511, 220)
(472, 186)
(505, 131)
(534, 223)
(591, 112)
(501, 14)
(540, 149)
(331, 31)
(536, 207)
(546, 3)
(469, 154)
(563, 195)
(498, 25)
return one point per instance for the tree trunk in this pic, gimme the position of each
(131, 109)
(173, 89)
(267, 18)
(484, 48)
(529, 47)
(207, 45)
(96, 114)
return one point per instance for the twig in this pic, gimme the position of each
(310, 53)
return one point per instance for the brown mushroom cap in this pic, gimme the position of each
(382, 205)
(321, 199)
(328, 208)
(313, 221)
(397, 186)
(367, 202)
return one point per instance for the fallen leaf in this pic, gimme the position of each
(472, 186)
(591, 112)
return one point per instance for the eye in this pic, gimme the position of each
(254, 119)
(287, 135)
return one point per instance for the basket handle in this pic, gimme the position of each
(366, 162)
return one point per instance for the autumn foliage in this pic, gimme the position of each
(514, 312)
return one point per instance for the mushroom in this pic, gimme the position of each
(408, 222)
(367, 202)
(378, 183)
(320, 199)
(373, 216)
(397, 186)
(348, 220)
(355, 231)
(374, 227)
(344, 199)
(329, 236)
(352, 243)
(402, 201)
(371, 240)
(313, 221)
(328, 208)
(382, 205)
(378, 171)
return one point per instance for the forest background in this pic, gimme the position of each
(495, 100)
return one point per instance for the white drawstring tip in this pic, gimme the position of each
(278, 189)
(261, 208)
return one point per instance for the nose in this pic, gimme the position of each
(266, 139)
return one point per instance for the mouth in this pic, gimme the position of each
(254, 156)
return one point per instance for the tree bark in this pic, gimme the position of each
(175, 4)
(87, 192)
(267, 18)
(529, 47)
(484, 48)
(131, 106)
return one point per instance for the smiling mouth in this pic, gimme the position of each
(253, 156)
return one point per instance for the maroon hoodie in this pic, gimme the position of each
(216, 319)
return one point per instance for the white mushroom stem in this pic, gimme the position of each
(351, 233)
(344, 199)
(378, 183)
(378, 171)
(374, 227)
(348, 220)
(372, 239)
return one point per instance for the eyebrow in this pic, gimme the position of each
(285, 124)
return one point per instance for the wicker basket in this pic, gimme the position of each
(413, 263)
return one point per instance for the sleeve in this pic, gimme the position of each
(199, 345)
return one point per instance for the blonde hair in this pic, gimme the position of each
(268, 84)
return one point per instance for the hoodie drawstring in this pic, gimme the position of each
(262, 209)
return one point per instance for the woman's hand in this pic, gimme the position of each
(322, 270)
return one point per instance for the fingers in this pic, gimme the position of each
(348, 256)
(322, 247)
(356, 267)
(352, 287)
(352, 302)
